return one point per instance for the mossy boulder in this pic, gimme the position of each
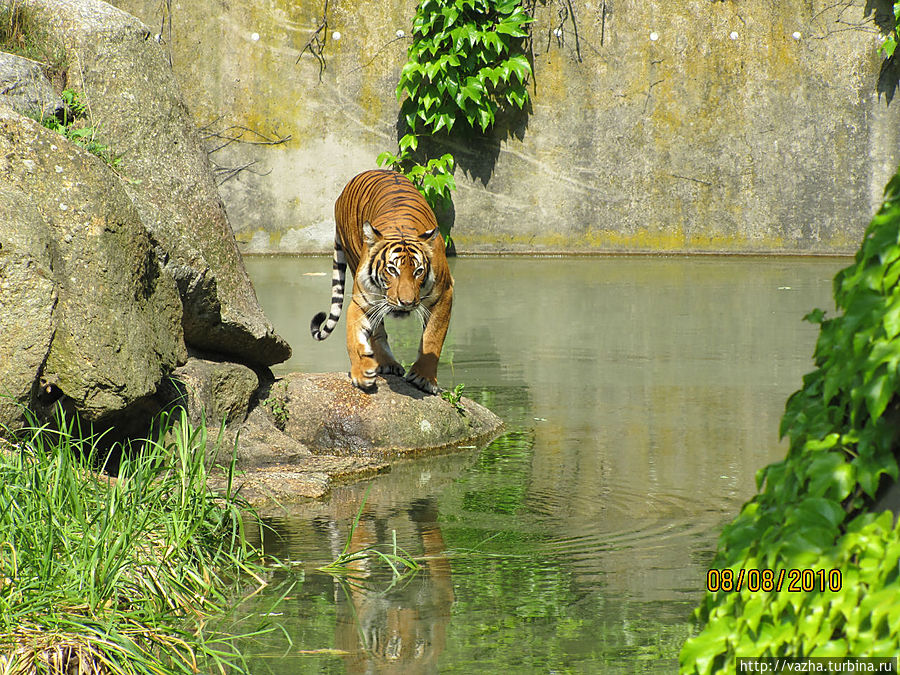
(87, 312)
(314, 431)
(25, 89)
(28, 296)
(215, 392)
(124, 75)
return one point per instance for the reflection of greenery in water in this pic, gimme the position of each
(500, 475)
(518, 607)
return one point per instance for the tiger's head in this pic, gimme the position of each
(398, 274)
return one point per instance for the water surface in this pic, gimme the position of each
(641, 395)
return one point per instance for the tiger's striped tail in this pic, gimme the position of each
(322, 325)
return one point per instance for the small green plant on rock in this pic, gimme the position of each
(454, 398)
(76, 125)
(276, 404)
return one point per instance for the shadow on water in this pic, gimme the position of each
(640, 395)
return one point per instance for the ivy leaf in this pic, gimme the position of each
(520, 66)
(511, 28)
(507, 6)
(815, 316)
(818, 511)
(386, 158)
(450, 15)
(519, 98)
(878, 392)
(830, 475)
(409, 142)
(701, 650)
(473, 89)
(485, 117)
(891, 318)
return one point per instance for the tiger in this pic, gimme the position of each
(387, 234)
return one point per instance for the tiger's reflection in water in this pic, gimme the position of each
(404, 629)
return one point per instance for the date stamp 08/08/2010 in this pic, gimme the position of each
(766, 580)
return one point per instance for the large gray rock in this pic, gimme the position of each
(86, 309)
(311, 432)
(215, 392)
(124, 76)
(25, 89)
(325, 412)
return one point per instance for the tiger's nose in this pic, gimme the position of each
(407, 304)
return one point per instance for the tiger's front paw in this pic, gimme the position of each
(428, 385)
(390, 369)
(363, 379)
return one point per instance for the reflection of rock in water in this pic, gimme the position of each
(401, 628)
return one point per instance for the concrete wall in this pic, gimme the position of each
(684, 125)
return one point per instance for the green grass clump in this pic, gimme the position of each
(76, 124)
(117, 575)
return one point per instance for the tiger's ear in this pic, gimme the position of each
(370, 233)
(428, 236)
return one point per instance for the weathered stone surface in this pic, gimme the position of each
(724, 133)
(25, 89)
(314, 479)
(67, 225)
(276, 468)
(28, 297)
(215, 391)
(124, 75)
(328, 414)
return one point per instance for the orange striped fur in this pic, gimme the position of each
(387, 235)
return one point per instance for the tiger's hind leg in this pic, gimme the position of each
(387, 364)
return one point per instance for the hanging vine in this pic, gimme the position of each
(466, 61)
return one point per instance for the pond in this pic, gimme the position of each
(640, 395)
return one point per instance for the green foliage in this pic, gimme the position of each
(466, 59)
(434, 179)
(889, 46)
(453, 398)
(465, 63)
(811, 511)
(278, 409)
(117, 575)
(77, 127)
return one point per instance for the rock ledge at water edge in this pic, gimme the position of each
(313, 431)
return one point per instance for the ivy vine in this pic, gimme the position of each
(466, 61)
(813, 510)
(889, 46)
